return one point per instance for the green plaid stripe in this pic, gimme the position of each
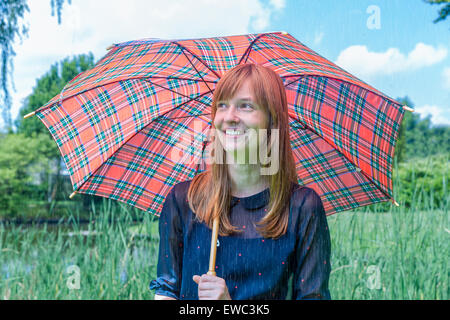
(62, 131)
(92, 115)
(221, 53)
(101, 141)
(157, 203)
(137, 91)
(325, 169)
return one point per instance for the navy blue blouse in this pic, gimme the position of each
(253, 267)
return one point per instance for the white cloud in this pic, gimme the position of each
(439, 115)
(94, 25)
(446, 77)
(364, 63)
(278, 4)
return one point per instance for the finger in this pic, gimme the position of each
(196, 279)
(209, 278)
(212, 285)
(207, 286)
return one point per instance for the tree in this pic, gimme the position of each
(444, 11)
(418, 137)
(12, 27)
(400, 147)
(23, 160)
(48, 86)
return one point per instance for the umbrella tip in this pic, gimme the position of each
(395, 203)
(29, 115)
(408, 109)
(284, 32)
(110, 47)
(72, 195)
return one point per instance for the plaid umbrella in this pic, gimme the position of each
(118, 124)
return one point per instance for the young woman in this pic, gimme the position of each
(271, 230)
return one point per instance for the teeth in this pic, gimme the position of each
(233, 132)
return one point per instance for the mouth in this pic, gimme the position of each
(234, 134)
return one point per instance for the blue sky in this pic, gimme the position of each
(393, 44)
(403, 24)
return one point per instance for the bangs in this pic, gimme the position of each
(266, 86)
(231, 82)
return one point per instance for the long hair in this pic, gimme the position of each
(209, 194)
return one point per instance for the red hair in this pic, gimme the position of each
(209, 194)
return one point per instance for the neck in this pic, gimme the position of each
(246, 179)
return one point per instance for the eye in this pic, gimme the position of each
(221, 105)
(246, 105)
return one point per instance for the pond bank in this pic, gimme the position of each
(61, 221)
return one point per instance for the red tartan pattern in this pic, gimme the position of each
(117, 124)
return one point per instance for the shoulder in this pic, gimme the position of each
(306, 203)
(306, 207)
(175, 207)
(181, 188)
(302, 195)
(178, 193)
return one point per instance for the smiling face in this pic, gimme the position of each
(238, 120)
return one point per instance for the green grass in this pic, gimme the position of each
(116, 260)
(400, 254)
(378, 252)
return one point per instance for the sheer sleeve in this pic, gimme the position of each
(312, 268)
(170, 253)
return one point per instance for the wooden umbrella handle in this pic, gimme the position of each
(212, 255)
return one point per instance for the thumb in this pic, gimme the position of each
(196, 279)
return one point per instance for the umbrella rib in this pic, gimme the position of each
(167, 118)
(249, 48)
(162, 115)
(293, 81)
(125, 142)
(190, 98)
(193, 66)
(373, 90)
(306, 126)
(177, 78)
(44, 107)
(183, 49)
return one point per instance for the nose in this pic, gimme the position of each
(231, 115)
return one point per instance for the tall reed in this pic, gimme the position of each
(381, 252)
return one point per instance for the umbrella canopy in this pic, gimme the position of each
(118, 124)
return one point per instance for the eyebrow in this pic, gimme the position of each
(242, 99)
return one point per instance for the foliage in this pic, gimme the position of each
(418, 138)
(12, 27)
(444, 11)
(115, 262)
(21, 158)
(423, 182)
(419, 183)
(401, 254)
(48, 86)
(31, 154)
